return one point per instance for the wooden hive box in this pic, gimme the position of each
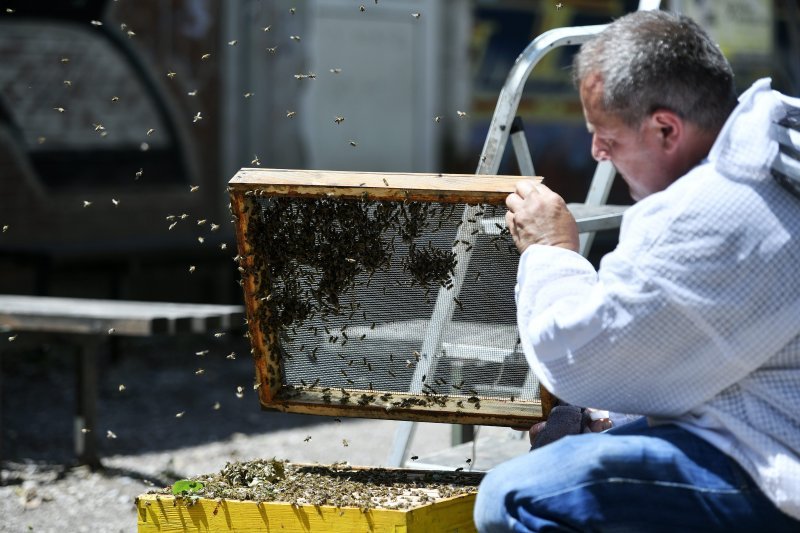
(383, 295)
(448, 514)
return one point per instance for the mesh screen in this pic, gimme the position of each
(366, 301)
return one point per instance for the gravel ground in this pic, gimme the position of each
(42, 489)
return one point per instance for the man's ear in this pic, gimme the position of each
(669, 128)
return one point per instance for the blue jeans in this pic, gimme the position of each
(631, 478)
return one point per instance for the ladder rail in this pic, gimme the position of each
(511, 93)
(489, 163)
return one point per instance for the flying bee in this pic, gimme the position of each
(85, 430)
(256, 161)
(214, 227)
(139, 173)
(272, 50)
(239, 392)
(267, 28)
(362, 8)
(461, 114)
(290, 114)
(115, 202)
(416, 15)
(199, 372)
(205, 56)
(292, 10)
(67, 83)
(198, 117)
(338, 120)
(130, 34)
(336, 71)
(216, 406)
(86, 203)
(173, 225)
(222, 246)
(193, 188)
(352, 143)
(180, 415)
(121, 387)
(64, 60)
(171, 74)
(414, 457)
(219, 334)
(307, 439)
(232, 43)
(192, 268)
(417, 356)
(151, 131)
(110, 434)
(201, 353)
(248, 94)
(437, 119)
(192, 93)
(201, 221)
(295, 38)
(5, 228)
(59, 109)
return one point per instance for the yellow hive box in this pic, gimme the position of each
(165, 513)
(416, 509)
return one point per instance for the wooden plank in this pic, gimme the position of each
(449, 188)
(91, 316)
(166, 513)
(266, 364)
(456, 409)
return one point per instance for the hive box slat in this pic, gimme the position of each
(166, 514)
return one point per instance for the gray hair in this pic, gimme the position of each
(650, 60)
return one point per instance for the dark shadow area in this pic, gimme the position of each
(161, 379)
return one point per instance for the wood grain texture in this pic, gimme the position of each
(448, 188)
(491, 412)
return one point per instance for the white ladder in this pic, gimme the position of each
(592, 215)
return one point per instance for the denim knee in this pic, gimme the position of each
(490, 513)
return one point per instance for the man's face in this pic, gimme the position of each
(637, 152)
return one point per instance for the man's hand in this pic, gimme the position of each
(537, 215)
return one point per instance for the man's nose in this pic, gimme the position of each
(599, 151)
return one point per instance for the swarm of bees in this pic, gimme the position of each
(337, 485)
(314, 260)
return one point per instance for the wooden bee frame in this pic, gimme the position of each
(404, 203)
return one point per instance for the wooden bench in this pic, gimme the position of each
(88, 322)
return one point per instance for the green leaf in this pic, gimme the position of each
(185, 486)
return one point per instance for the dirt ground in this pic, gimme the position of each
(42, 489)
